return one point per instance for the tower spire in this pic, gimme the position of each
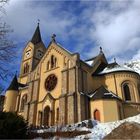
(14, 84)
(36, 36)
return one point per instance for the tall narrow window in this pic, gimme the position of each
(26, 68)
(57, 113)
(23, 102)
(48, 65)
(52, 61)
(55, 61)
(126, 90)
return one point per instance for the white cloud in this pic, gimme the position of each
(114, 25)
(117, 32)
(23, 16)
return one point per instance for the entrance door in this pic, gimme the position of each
(97, 115)
(46, 116)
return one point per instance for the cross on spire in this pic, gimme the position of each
(53, 38)
(101, 51)
(38, 21)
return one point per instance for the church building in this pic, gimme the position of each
(57, 87)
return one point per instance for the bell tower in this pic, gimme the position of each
(32, 53)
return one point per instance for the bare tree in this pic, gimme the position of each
(6, 46)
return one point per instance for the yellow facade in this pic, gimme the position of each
(57, 87)
(10, 101)
(109, 110)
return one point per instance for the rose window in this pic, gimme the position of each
(51, 82)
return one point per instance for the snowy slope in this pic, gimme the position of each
(99, 130)
(102, 129)
(134, 65)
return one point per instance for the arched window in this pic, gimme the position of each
(26, 68)
(23, 102)
(55, 61)
(126, 90)
(96, 115)
(48, 65)
(52, 63)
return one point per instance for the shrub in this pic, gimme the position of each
(12, 126)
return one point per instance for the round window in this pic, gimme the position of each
(51, 82)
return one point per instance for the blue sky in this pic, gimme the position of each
(80, 26)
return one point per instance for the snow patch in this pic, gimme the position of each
(98, 132)
(116, 68)
(103, 129)
(90, 62)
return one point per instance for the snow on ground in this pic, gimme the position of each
(102, 129)
(98, 131)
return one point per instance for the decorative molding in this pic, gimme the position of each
(132, 75)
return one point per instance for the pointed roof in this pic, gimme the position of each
(14, 84)
(99, 58)
(36, 36)
(97, 63)
(103, 93)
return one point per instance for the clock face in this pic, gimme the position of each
(28, 54)
(39, 54)
(50, 82)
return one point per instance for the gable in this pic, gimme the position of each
(99, 63)
(63, 56)
(57, 48)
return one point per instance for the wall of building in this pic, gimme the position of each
(111, 112)
(97, 105)
(108, 109)
(10, 100)
(118, 79)
(131, 109)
